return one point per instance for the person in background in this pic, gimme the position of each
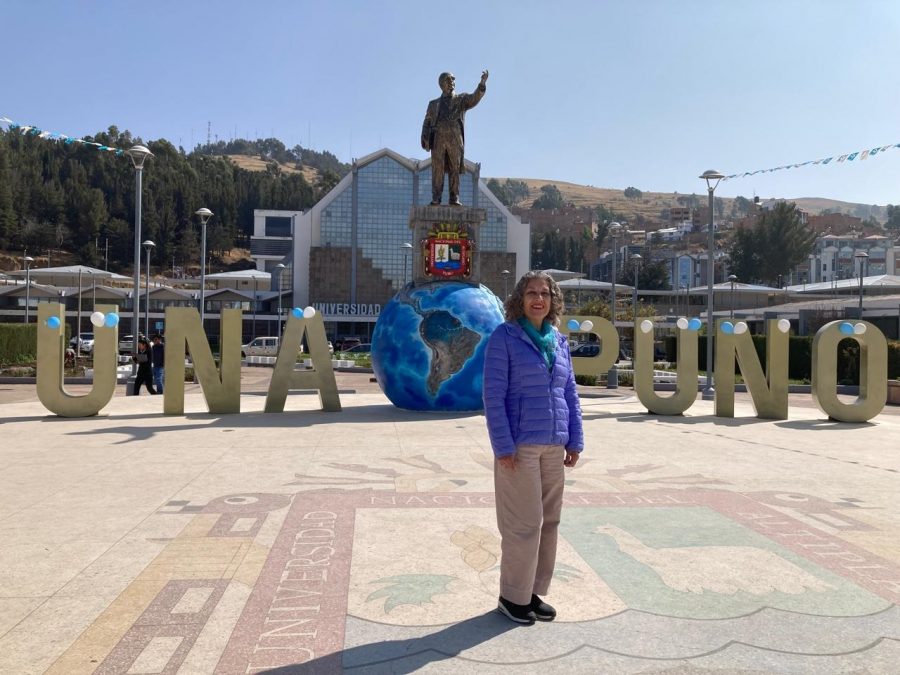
(144, 373)
(534, 423)
(158, 359)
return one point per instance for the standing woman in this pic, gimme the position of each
(534, 423)
(144, 373)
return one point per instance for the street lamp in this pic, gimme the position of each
(406, 247)
(732, 278)
(280, 267)
(862, 259)
(255, 300)
(636, 261)
(204, 214)
(505, 274)
(138, 154)
(78, 315)
(93, 290)
(27, 260)
(148, 245)
(612, 377)
(712, 179)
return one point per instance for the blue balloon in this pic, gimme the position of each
(727, 328)
(847, 328)
(53, 322)
(573, 324)
(694, 324)
(112, 320)
(297, 313)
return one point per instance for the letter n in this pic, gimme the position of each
(769, 390)
(221, 387)
(872, 372)
(321, 377)
(51, 349)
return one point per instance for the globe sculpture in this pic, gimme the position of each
(428, 345)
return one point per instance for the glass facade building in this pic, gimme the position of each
(348, 249)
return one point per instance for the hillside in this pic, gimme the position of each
(651, 203)
(255, 163)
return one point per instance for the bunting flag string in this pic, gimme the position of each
(32, 130)
(849, 157)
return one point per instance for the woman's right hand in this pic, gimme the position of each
(508, 462)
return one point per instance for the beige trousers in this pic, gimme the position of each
(529, 502)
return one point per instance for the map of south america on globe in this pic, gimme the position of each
(428, 345)
(451, 343)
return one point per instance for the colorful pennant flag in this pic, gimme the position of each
(849, 157)
(52, 135)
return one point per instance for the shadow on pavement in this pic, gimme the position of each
(406, 656)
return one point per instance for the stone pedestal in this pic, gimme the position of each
(456, 230)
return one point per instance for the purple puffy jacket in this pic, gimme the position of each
(523, 401)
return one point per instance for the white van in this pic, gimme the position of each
(261, 346)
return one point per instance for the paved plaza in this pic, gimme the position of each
(364, 541)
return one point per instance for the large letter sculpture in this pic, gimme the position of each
(221, 387)
(686, 374)
(51, 349)
(609, 343)
(769, 390)
(872, 371)
(321, 378)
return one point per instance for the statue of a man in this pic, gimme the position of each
(443, 133)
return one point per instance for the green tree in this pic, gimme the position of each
(633, 193)
(893, 218)
(652, 276)
(777, 243)
(551, 198)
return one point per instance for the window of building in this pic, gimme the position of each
(278, 226)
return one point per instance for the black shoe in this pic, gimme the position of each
(517, 613)
(542, 611)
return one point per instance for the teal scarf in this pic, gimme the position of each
(545, 341)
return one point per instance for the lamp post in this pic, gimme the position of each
(255, 301)
(204, 214)
(78, 316)
(612, 377)
(93, 290)
(712, 179)
(505, 274)
(862, 259)
(138, 154)
(732, 278)
(636, 261)
(406, 247)
(280, 267)
(148, 246)
(27, 260)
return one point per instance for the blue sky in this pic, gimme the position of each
(643, 93)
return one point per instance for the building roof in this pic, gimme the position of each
(241, 274)
(69, 269)
(875, 281)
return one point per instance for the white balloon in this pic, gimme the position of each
(740, 328)
(309, 312)
(859, 328)
(646, 326)
(98, 319)
(682, 323)
(586, 326)
(784, 325)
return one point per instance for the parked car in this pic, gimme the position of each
(364, 348)
(126, 343)
(348, 343)
(261, 346)
(586, 350)
(86, 340)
